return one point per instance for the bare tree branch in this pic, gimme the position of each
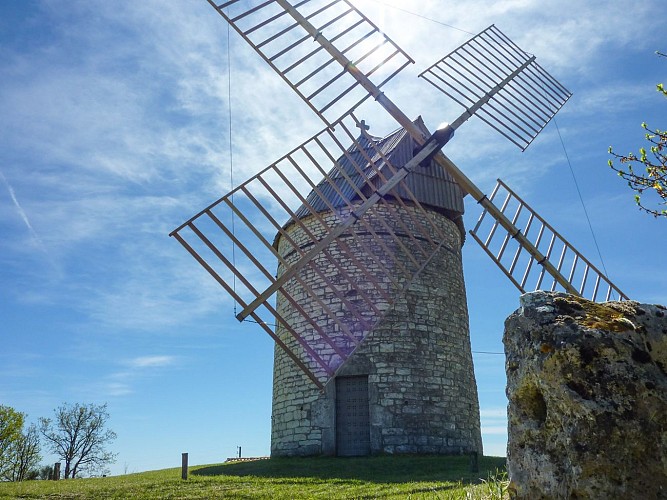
(78, 436)
(25, 455)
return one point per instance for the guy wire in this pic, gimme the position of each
(231, 157)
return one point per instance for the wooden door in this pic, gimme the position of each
(352, 417)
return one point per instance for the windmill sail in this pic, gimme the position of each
(526, 271)
(326, 78)
(272, 217)
(522, 107)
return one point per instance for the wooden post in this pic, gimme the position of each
(474, 462)
(184, 466)
(56, 471)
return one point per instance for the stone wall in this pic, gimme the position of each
(422, 390)
(587, 390)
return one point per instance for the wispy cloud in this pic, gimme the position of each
(19, 209)
(493, 413)
(613, 99)
(115, 130)
(121, 161)
(135, 140)
(549, 29)
(123, 382)
(116, 389)
(494, 421)
(498, 430)
(151, 361)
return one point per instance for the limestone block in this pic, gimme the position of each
(587, 390)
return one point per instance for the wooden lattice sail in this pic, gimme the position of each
(522, 106)
(233, 239)
(282, 33)
(523, 269)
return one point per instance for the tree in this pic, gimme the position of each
(646, 173)
(45, 472)
(24, 456)
(11, 425)
(19, 451)
(77, 434)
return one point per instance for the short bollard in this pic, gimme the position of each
(56, 471)
(474, 462)
(184, 466)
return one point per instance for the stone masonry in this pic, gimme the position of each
(587, 390)
(421, 387)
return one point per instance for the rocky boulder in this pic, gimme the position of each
(587, 390)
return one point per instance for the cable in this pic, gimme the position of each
(423, 17)
(581, 199)
(231, 158)
(259, 323)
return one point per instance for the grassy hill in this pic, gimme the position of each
(434, 477)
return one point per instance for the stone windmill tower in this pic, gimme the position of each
(368, 308)
(410, 387)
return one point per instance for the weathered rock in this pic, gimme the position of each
(587, 389)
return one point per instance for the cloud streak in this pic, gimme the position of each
(22, 214)
(154, 361)
(493, 421)
(123, 383)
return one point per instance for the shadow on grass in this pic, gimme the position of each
(380, 469)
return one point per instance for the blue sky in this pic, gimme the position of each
(115, 129)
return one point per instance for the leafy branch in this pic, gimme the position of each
(646, 172)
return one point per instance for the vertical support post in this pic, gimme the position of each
(56, 471)
(239, 451)
(184, 466)
(474, 462)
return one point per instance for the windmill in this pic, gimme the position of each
(367, 233)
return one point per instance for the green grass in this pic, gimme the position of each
(434, 477)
